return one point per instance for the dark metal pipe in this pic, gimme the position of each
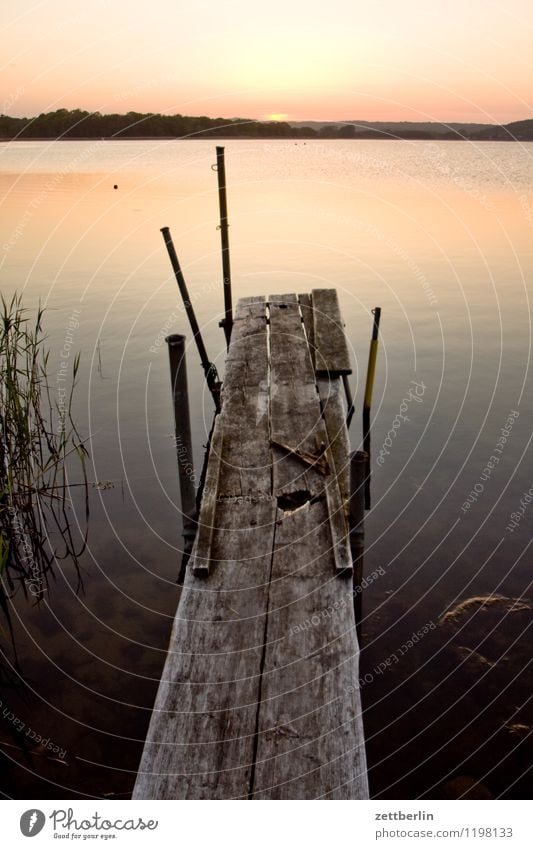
(367, 403)
(358, 464)
(182, 424)
(227, 322)
(210, 371)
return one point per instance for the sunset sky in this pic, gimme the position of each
(464, 60)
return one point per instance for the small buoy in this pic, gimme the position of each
(115, 186)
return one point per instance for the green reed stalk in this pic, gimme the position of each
(39, 445)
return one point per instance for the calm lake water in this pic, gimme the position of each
(440, 235)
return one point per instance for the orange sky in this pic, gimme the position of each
(340, 60)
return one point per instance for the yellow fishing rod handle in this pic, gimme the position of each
(372, 356)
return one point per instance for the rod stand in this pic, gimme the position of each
(183, 440)
(349, 399)
(367, 403)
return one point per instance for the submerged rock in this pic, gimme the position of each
(510, 605)
(465, 787)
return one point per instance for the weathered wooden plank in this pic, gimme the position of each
(295, 418)
(201, 554)
(246, 463)
(310, 733)
(332, 400)
(296, 421)
(338, 485)
(252, 306)
(339, 526)
(250, 319)
(306, 308)
(200, 742)
(331, 356)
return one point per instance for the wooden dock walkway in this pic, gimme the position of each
(259, 695)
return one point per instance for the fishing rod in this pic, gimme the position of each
(220, 168)
(210, 370)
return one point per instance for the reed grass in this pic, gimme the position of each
(40, 446)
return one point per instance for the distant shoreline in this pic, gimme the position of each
(80, 125)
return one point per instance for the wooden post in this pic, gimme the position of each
(367, 403)
(227, 322)
(358, 465)
(182, 423)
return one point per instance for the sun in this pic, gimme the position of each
(276, 116)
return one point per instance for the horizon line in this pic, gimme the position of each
(274, 119)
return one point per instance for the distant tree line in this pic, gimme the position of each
(79, 124)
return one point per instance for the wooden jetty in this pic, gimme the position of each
(259, 696)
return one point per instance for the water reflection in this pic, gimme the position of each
(439, 236)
